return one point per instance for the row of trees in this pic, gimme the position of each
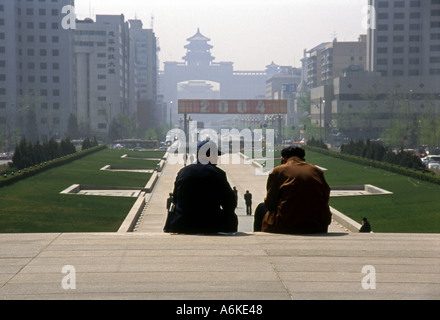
(377, 151)
(87, 143)
(29, 154)
(317, 143)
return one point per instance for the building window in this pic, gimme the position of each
(415, 4)
(399, 4)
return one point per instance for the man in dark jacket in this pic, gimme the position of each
(204, 200)
(366, 227)
(248, 201)
(297, 196)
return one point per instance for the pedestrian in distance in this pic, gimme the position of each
(169, 200)
(366, 227)
(248, 201)
(170, 211)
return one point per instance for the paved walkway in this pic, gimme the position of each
(242, 176)
(149, 264)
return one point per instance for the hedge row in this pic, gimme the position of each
(28, 154)
(8, 179)
(424, 175)
(377, 151)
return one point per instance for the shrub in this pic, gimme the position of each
(317, 143)
(8, 178)
(87, 143)
(375, 150)
(27, 154)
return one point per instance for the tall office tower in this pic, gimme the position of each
(36, 69)
(404, 37)
(103, 73)
(144, 49)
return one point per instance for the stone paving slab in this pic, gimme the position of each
(247, 266)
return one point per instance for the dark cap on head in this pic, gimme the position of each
(209, 145)
(293, 151)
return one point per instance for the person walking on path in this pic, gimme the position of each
(248, 200)
(236, 193)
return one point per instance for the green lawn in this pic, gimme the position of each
(412, 208)
(36, 205)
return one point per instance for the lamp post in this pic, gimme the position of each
(321, 101)
(171, 104)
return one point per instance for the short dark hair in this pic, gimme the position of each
(293, 151)
(209, 145)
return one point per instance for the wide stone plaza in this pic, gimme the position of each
(141, 262)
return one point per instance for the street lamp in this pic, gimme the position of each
(171, 104)
(321, 101)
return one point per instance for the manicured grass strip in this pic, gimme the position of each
(145, 154)
(412, 208)
(36, 205)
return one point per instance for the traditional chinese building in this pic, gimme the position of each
(198, 76)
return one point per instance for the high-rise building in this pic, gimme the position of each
(144, 50)
(329, 60)
(36, 69)
(397, 97)
(404, 38)
(103, 73)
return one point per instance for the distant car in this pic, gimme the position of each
(5, 156)
(431, 159)
(434, 165)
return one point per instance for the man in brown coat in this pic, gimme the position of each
(297, 196)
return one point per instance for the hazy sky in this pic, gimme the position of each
(250, 33)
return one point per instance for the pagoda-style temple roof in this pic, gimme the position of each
(198, 37)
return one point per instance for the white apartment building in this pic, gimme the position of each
(104, 73)
(144, 49)
(36, 70)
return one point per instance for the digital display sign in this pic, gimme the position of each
(232, 106)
